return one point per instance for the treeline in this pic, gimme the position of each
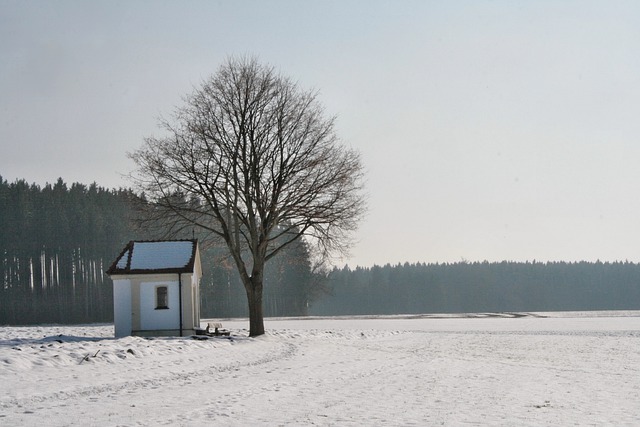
(56, 241)
(291, 284)
(482, 287)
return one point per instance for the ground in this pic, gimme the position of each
(525, 369)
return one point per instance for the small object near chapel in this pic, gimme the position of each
(156, 288)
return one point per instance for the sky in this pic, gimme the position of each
(489, 130)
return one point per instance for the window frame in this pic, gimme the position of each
(160, 298)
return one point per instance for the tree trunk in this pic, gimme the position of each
(254, 297)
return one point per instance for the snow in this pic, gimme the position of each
(124, 260)
(156, 255)
(510, 369)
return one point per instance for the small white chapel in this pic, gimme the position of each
(156, 288)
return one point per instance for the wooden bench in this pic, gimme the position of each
(217, 330)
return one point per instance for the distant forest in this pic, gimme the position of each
(465, 287)
(56, 241)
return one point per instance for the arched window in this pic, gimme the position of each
(162, 297)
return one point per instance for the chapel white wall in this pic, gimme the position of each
(150, 317)
(122, 307)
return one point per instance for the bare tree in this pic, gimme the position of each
(252, 159)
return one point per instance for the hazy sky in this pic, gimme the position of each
(490, 130)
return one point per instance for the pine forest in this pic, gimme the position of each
(57, 240)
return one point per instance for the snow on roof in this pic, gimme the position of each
(156, 256)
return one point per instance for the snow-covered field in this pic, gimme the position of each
(512, 369)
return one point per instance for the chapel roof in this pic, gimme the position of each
(157, 256)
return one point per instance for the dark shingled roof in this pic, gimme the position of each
(157, 256)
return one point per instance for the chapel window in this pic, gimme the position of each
(162, 297)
